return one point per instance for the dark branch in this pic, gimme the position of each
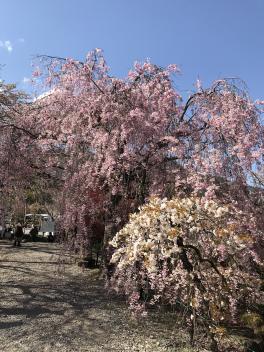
(201, 259)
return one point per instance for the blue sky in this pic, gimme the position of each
(206, 38)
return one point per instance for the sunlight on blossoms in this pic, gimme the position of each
(188, 251)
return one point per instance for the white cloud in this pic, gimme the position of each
(6, 45)
(26, 80)
(44, 95)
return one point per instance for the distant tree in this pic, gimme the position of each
(22, 161)
(10, 100)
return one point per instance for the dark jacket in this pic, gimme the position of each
(19, 232)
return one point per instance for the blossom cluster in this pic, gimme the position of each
(186, 251)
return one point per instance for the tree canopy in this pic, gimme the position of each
(99, 147)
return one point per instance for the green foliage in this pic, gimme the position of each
(254, 321)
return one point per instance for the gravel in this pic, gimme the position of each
(46, 306)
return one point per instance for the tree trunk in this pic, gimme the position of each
(110, 230)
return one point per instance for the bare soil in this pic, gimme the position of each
(48, 307)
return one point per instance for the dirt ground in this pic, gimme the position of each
(45, 307)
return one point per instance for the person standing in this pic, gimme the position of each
(4, 232)
(10, 230)
(18, 234)
(33, 233)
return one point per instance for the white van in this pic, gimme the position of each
(44, 223)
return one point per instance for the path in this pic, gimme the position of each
(42, 310)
